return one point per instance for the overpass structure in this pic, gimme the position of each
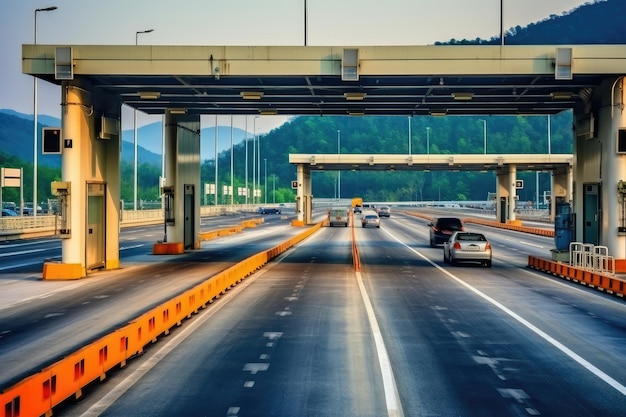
(184, 82)
(505, 167)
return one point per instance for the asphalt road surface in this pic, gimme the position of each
(406, 336)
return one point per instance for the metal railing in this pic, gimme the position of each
(591, 257)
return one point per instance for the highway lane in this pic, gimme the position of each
(27, 256)
(40, 321)
(299, 339)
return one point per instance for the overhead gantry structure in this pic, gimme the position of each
(184, 82)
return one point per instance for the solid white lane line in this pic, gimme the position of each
(573, 355)
(392, 398)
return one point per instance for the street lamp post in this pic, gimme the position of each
(246, 169)
(265, 181)
(254, 162)
(135, 132)
(484, 135)
(409, 135)
(338, 172)
(35, 129)
(427, 140)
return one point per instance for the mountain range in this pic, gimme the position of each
(16, 139)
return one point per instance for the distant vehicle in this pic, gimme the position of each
(8, 213)
(467, 247)
(357, 203)
(370, 219)
(338, 215)
(384, 211)
(442, 228)
(268, 210)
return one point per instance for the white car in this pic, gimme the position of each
(467, 247)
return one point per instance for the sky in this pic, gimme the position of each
(242, 22)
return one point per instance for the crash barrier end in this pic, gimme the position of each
(168, 248)
(62, 271)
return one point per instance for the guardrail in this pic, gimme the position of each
(39, 393)
(603, 282)
(591, 257)
(45, 225)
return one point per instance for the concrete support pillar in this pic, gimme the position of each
(503, 192)
(88, 161)
(612, 118)
(182, 173)
(561, 186)
(512, 192)
(304, 199)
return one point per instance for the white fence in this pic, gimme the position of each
(591, 257)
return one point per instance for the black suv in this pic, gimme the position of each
(441, 229)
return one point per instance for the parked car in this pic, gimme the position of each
(338, 215)
(370, 219)
(467, 247)
(268, 210)
(442, 228)
(384, 211)
(8, 212)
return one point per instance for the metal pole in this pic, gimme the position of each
(246, 142)
(35, 122)
(216, 159)
(254, 162)
(549, 139)
(409, 135)
(265, 181)
(135, 133)
(427, 140)
(338, 172)
(258, 164)
(232, 167)
(484, 135)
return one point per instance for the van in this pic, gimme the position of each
(338, 215)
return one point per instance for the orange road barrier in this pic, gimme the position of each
(608, 283)
(510, 226)
(38, 394)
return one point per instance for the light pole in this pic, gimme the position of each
(246, 170)
(35, 129)
(265, 181)
(254, 162)
(232, 164)
(135, 133)
(338, 172)
(484, 135)
(409, 135)
(427, 140)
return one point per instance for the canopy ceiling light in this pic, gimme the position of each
(354, 96)
(438, 112)
(356, 113)
(562, 95)
(463, 96)
(177, 111)
(149, 95)
(251, 95)
(268, 112)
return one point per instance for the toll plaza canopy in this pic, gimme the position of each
(184, 82)
(335, 80)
